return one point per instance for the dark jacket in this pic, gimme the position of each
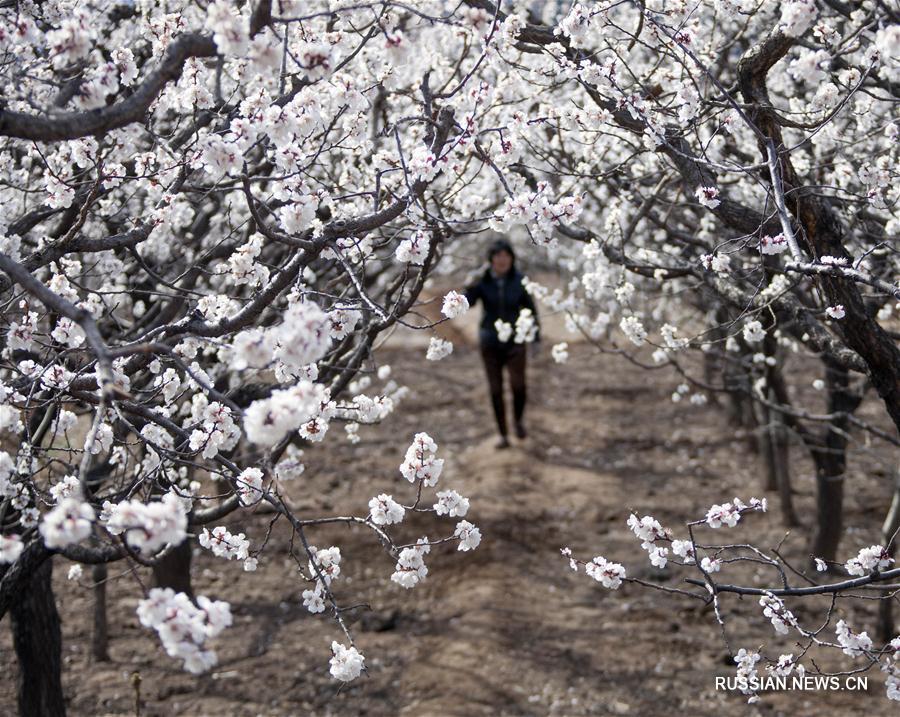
(502, 298)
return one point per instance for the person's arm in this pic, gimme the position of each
(473, 291)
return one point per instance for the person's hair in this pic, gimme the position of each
(498, 246)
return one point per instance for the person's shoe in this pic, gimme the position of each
(520, 431)
(502, 443)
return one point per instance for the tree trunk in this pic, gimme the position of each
(829, 504)
(766, 448)
(100, 636)
(174, 570)
(830, 458)
(37, 639)
(781, 462)
(886, 630)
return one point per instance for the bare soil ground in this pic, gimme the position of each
(508, 629)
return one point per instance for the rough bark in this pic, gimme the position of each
(830, 458)
(100, 635)
(174, 570)
(886, 629)
(37, 638)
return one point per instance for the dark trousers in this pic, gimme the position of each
(495, 357)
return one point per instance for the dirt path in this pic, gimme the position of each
(508, 629)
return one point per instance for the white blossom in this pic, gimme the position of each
(384, 510)
(346, 662)
(455, 305)
(560, 352)
(708, 196)
(853, 644)
(438, 349)
(775, 610)
(410, 569)
(469, 536)
(451, 503)
(69, 522)
(11, 548)
(421, 461)
(874, 558)
(184, 627)
(608, 574)
(754, 331)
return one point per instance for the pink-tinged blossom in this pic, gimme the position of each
(249, 486)
(148, 527)
(410, 569)
(451, 504)
(647, 529)
(608, 574)
(711, 565)
(777, 244)
(231, 31)
(869, 560)
(384, 510)
(414, 250)
(708, 197)
(69, 522)
(224, 544)
(328, 562)
(455, 305)
(421, 461)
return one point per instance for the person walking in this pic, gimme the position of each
(503, 298)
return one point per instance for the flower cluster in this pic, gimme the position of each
(451, 504)
(11, 548)
(536, 211)
(775, 610)
(346, 662)
(853, 644)
(777, 244)
(384, 510)
(411, 569)
(438, 349)
(708, 197)
(504, 330)
(469, 536)
(648, 530)
(455, 305)
(148, 527)
(250, 486)
(869, 560)
(526, 327)
(730, 513)
(184, 627)
(421, 462)
(414, 250)
(324, 566)
(607, 573)
(225, 544)
(69, 522)
(266, 421)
